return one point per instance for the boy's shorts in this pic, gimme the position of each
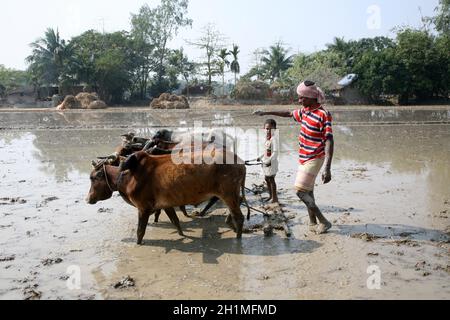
(307, 174)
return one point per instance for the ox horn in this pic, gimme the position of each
(112, 158)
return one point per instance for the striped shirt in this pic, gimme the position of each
(316, 129)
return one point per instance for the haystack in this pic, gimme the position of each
(170, 101)
(82, 101)
(70, 102)
(86, 99)
(98, 104)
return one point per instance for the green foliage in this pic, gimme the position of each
(275, 62)
(181, 65)
(324, 68)
(222, 63)
(416, 55)
(48, 59)
(11, 79)
(210, 42)
(152, 29)
(441, 20)
(105, 62)
(235, 67)
(414, 66)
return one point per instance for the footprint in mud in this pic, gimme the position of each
(31, 292)
(49, 261)
(7, 258)
(365, 237)
(406, 242)
(48, 200)
(126, 282)
(12, 201)
(446, 269)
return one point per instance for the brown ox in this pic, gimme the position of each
(154, 147)
(152, 183)
(160, 144)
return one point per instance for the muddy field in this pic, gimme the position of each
(389, 202)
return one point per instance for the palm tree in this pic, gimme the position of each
(48, 58)
(235, 66)
(338, 45)
(275, 61)
(222, 63)
(345, 51)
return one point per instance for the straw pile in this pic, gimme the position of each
(170, 101)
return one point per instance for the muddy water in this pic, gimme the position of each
(390, 181)
(220, 116)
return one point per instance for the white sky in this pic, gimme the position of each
(303, 25)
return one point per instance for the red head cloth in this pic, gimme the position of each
(313, 92)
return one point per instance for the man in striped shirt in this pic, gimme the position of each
(316, 148)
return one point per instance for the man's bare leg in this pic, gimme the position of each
(314, 212)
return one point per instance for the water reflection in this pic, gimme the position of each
(409, 149)
(124, 118)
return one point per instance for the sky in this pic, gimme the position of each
(304, 26)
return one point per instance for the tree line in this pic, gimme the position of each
(135, 64)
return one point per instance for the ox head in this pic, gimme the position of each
(100, 187)
(160, 136)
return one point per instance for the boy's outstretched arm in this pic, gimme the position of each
(282, 114)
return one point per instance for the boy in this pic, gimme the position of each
(270, 159)
(316, 148)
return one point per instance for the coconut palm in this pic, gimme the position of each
(222, 63)
(338, 45)
(275, 61)
(48, 58)
(235, 66)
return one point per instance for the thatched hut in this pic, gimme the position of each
(252, 90)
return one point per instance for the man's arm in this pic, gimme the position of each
(282, 114)
(329, 152)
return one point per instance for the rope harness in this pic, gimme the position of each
(106, 178)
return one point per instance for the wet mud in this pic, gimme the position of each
(389, 203)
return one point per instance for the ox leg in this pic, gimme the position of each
(211, 203)
(229, 222)
(142, 226)
(157, 215)
(183, 209)
(171, 213)
(236, 215)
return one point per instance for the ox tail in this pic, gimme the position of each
(244, 199)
